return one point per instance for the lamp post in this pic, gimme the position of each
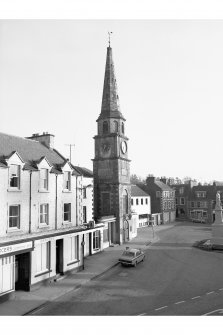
(83, 244)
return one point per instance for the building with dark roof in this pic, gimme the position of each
(162, 198)
(42, 233)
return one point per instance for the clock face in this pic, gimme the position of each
(124, 147)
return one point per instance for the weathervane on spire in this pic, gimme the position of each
(109, 37)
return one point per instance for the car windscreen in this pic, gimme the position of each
(128, 253)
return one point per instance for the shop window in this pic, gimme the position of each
(84, 214)
(14, 216)
(67, 213)
(42, 257)
(96, 240)
(14, 176)
(67, 179)
(6, 274)
(74, 248)
(44, 175)
(44, 214)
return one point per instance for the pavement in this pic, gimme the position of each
(24, 303)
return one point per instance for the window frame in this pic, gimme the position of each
(67, 212)
(17, 176)
(13, 216)
(96, 240)
(42, 180)
(67, 181)
(44, 214)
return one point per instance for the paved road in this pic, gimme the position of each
(175, 279)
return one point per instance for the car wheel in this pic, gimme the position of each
(143, 259)
(135, 264)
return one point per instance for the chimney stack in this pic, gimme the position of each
(45, 139)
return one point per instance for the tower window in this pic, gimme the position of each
(123, 128)
(115, 126)
(105, 127)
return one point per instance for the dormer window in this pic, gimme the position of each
(44, 175)
(105, 127)
(67, 180)
(14, 176)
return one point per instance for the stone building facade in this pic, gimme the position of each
(111, 165)
(41, 230)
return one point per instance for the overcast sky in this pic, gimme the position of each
(170, 83)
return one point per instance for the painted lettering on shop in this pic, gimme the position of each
(15, 247)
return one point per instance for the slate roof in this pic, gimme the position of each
(83, 171)
(163, 186)
(138, 192)
(110, 101)
(29, 150)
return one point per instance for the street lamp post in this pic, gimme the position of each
(83, 244)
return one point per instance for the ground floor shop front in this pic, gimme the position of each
(24, 264)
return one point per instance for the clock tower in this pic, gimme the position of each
(112, 190)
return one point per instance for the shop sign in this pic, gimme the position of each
(15, 247)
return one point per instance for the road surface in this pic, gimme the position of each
(175, 279)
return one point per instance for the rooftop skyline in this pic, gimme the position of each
(169, 79)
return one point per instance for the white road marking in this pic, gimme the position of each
(157, 309)
(198, 296)
(210, 292)
(220, 289)
(179, 302)
(142, 314)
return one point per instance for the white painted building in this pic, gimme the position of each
(41, 224)
(141, 205)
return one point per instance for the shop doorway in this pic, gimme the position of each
(59, 256)
(22, 272)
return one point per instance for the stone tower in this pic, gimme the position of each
(112, 204)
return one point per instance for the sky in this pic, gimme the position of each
(170, 84)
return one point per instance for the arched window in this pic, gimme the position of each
(115, 126)
(123, 128)
(105, 127)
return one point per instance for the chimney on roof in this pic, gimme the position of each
(46, 139)
(163, 180)
(150, 179)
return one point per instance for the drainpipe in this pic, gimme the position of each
(30, 200)
(56, 205)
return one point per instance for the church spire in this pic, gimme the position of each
(110, 100)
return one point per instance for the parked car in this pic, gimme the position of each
(132, 257)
